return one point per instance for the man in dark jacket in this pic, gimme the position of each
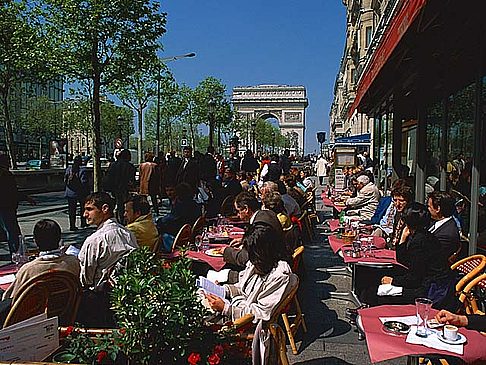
(189, 170)
(77, 188)
(119, 179)
(249, 163)
(285, 163)
(272, 171)
(441, 207)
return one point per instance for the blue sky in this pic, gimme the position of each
(255, 42)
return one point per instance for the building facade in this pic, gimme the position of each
(422, 83)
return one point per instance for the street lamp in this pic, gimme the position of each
(211, 110)
(159, 77)
(273, 142)
(253, 128)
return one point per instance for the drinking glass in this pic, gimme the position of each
(16, 258)
(198, 242)
(422, 305)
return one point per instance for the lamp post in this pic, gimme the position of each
(211, 109)
(253, 126)
(159, 78)
(273, 142)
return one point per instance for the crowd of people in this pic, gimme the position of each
(268, 195)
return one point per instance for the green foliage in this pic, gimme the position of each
(25, 55)
(42, 116)
(158, 306)
(101, 42)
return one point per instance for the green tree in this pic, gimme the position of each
(211, 89)
(104, 41)
(24, 56)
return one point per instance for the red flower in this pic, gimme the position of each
(101, 356)
(214, 359)
(218, 349)
(122, 331)
(67, 331)
(194, 358)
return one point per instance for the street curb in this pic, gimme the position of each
(31, 212)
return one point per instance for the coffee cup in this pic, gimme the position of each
(450, 332)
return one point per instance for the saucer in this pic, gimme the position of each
(458, 341)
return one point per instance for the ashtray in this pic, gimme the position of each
(352, 253)
(396, 328)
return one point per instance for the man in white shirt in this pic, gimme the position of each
(105, 247)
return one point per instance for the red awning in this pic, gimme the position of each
(394, 33)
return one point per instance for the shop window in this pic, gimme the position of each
(369, 36)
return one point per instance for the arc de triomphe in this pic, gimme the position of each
(283, 102)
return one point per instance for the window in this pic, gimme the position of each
(369, 36)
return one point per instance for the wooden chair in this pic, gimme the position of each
(184, 237)
(31, 302)
(64, 294)
(470, 266)
(278, 336)
(298, 317)
(227, 206)
(245, 327)
(198, 226)
(307, 233)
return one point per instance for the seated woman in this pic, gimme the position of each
(265, 281)
(421, 253)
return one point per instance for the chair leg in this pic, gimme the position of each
(300, 316)
(279, 337)
(290, 335)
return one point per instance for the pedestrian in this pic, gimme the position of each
(9, 203)
(189, 170)
(321, 169)
(150, 180)
(77, 188)
(119, 179)
(285, 163)
(249, 163)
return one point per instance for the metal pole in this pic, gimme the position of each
(157, 146)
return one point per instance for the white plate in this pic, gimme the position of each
(458, 341)
(214, 252)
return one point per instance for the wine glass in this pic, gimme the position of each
(198, 242)
(16, 258)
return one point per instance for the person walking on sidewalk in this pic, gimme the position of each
(150, 180)
(9, 203)
(77, 188)
(321, 169)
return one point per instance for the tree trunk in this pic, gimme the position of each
(140, 135)
(8, 129)
(96, 131)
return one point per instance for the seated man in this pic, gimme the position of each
(441, 207)
(231, 186)
(47, 235)
(105, 247)
(184, 210)
(366, 201)
(139, 221)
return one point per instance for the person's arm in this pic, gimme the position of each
(262, 308)
(88, 263)
(235, 256)
(415, 274)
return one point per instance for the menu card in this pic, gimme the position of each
(30, 340)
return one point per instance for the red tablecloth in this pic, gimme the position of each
(383, 346)
(329, 203)
(337, 243)
(6, 270)
(216, 263)
(380, 256)
(333, 224)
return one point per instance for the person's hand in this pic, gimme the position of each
(215, 302)
(386, 280)
(405, 234)
(447, 317)
(236, 243)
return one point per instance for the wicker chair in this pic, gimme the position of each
(198, 226)
(227, 206)
(64, 294)
(469, 295)
(31, 302)
(470, 266)
(183, 238)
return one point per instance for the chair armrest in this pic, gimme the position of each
(242, 321)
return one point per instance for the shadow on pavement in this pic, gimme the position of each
(325, 360)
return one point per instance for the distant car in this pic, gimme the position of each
(104, 162)
(37, 164)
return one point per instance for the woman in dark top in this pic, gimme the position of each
(420, 251)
